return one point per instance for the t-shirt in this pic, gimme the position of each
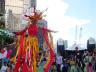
(72, 62)
(3, 69)
(90, 59)
(59, 60)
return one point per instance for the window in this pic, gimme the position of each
(2, 7)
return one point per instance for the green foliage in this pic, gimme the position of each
(5, 38)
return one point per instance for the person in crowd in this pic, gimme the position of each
(53, 67)
(89, 65)
(68, 62)
(77, 55)
(86, 61)
(94, 62)
(0, 63)
(9, 67)
(65, 66)
(58, 62)
(73, 65)
(82, 65)
(3, 53)
(78, 64)
(4, 67)
(95, 66)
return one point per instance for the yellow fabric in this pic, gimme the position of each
(31, 44)
(18, 40)
(72, 62)
(41, 57)
(13, 59)
(35, 50)
(51, 40)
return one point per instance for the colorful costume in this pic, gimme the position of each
(28, 46)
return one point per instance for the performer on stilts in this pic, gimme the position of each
(28, 46)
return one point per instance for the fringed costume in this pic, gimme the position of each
(27, 46)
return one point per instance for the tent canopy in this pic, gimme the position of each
(74, 46)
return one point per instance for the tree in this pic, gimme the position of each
(5, 38)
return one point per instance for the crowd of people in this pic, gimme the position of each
(6, 65)
(85, 62)
(73, 62)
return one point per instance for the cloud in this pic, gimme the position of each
(56, 17)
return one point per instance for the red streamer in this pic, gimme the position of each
(19, 59)
(47, 68)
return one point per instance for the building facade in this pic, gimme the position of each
(60, 47)
(14, 11)
(65, 44)
(2, 12)
(91, 44)
(2, 7)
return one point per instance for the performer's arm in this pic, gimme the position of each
(20, 32)
(48, 30)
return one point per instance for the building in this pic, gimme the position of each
(60, 47)
(65, 44)
(2, 7)
(91, 44)
(14, 10)
(2, 12)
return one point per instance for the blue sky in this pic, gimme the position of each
(83, 9)
(64, 15)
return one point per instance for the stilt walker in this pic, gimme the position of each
(28, 48)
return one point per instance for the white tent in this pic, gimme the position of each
(73, 47)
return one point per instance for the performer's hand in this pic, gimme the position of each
(26, 15)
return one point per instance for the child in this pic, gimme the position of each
(53, 67)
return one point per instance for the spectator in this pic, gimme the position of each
(58, 62)
(53, 68)
(73, 65)
(78, 63)
(4, 67)
(65, 66)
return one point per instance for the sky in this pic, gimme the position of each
(65, 15)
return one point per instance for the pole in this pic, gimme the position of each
(76, 35)
(80, 35)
